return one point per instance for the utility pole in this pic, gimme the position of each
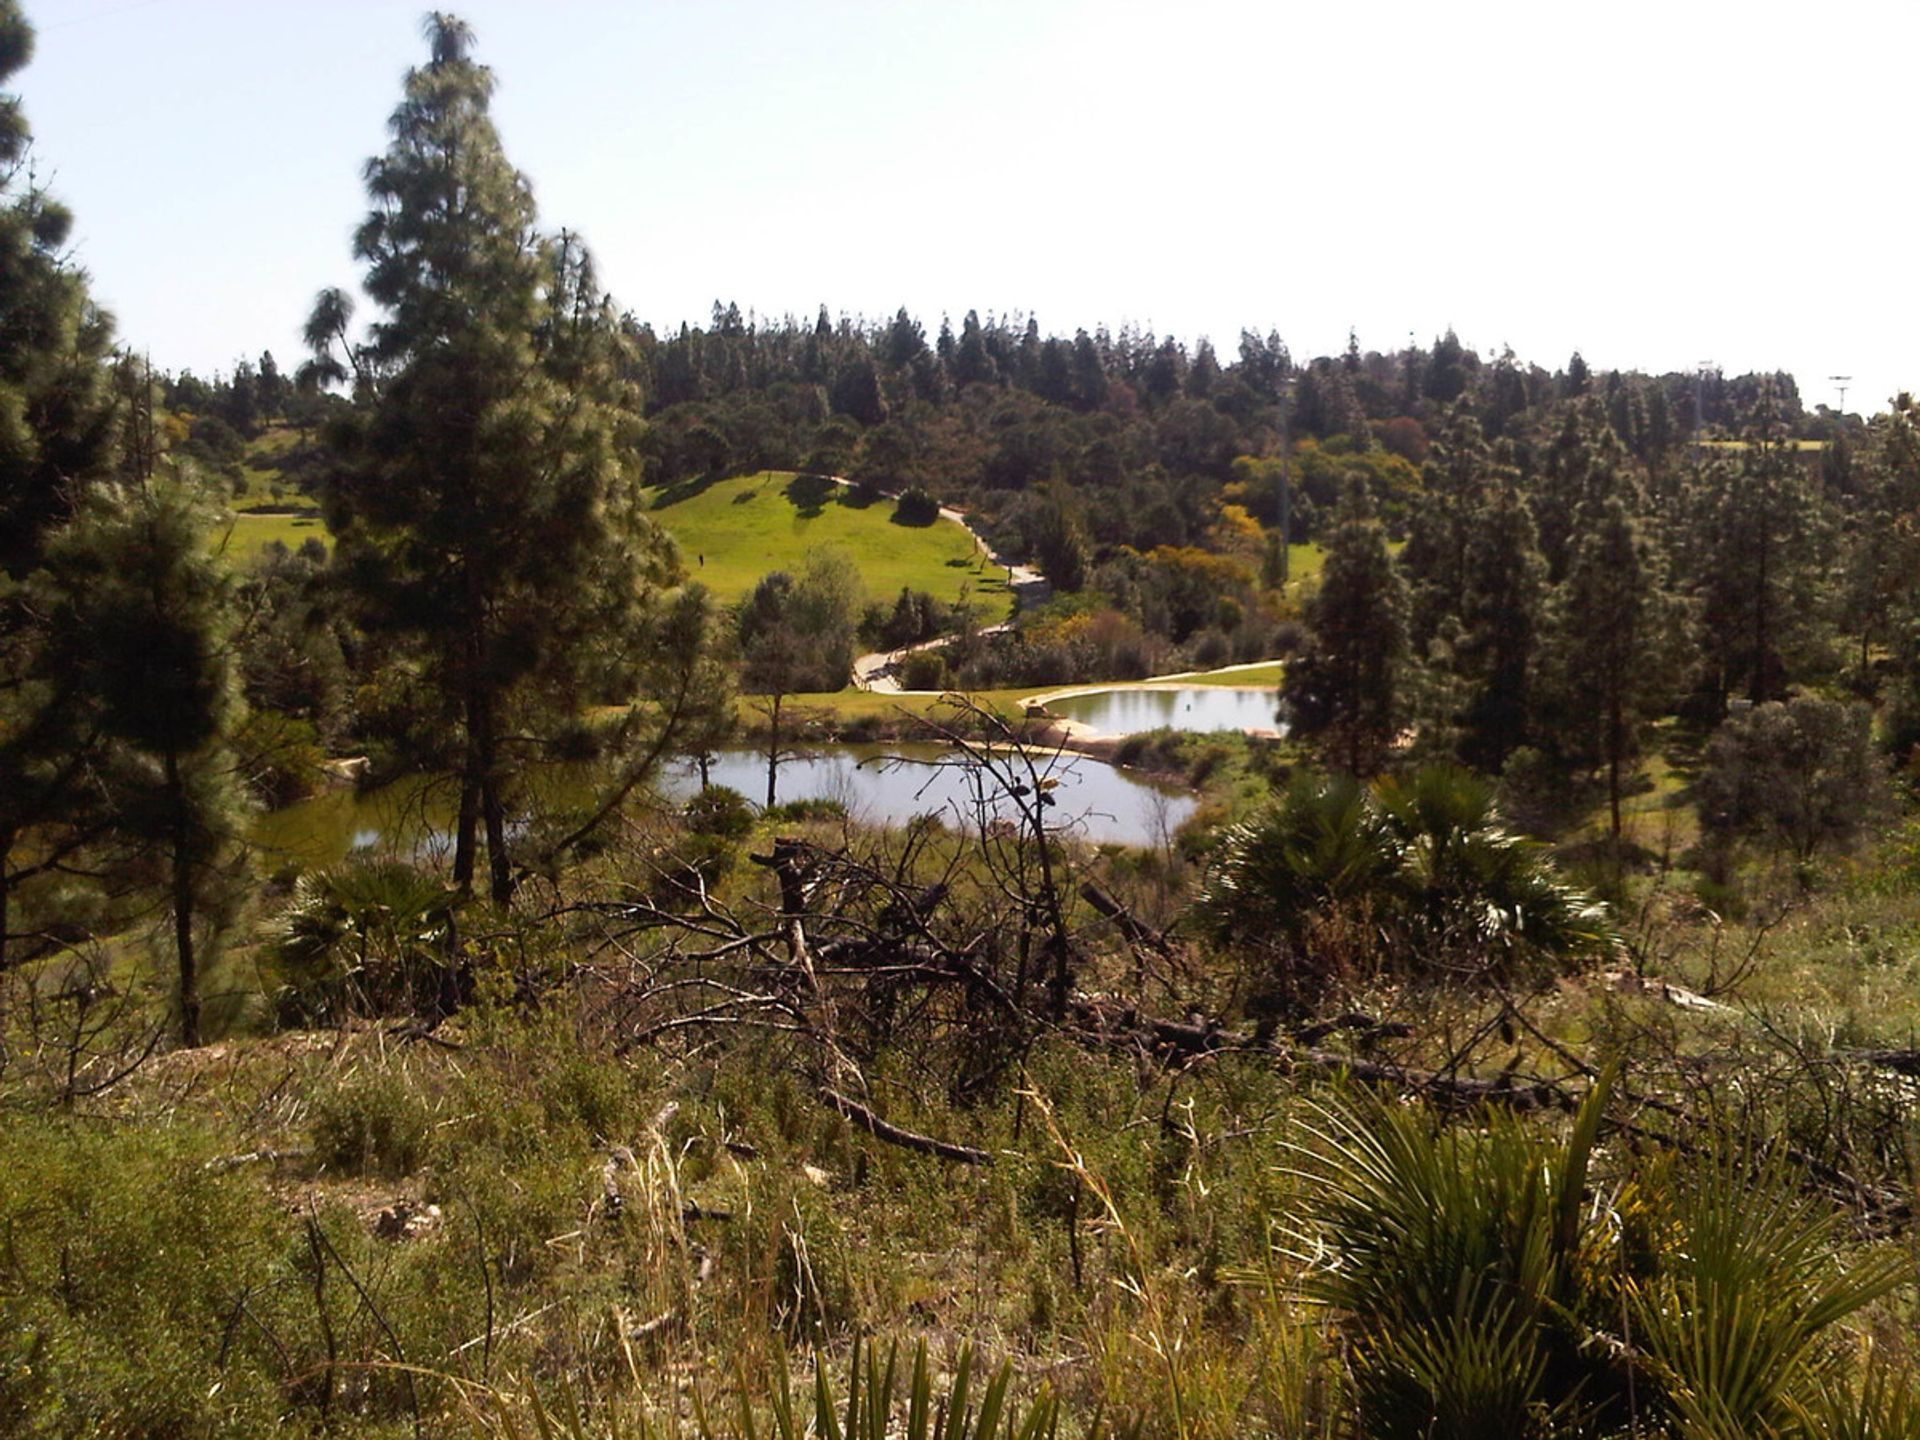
(1699, 407)
(1842, 381)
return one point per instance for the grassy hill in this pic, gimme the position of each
(253, 530)
(732, 532)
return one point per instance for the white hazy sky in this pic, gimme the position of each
(1653, 184)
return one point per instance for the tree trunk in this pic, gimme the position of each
(1757, 691)
(494, 809)
(6, 894)
(1616, 742)
(183, 906)
(773, 749)
(467, 827)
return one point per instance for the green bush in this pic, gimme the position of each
(915, 507)
(375, 1124)
(367, 937)
(719, 810)
(123, 1258)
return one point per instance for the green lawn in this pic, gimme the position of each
(733, 532)
(1231, 676)
(251, 533)
(1304, 564)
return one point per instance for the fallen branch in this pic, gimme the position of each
(222, 1163)
(894, 1135)
(1904, 1062)
(1137, 931)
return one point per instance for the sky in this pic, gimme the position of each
(1655, 185)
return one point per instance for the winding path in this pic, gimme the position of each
(878, 671)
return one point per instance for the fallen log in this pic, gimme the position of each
(894, 1135)
(1515, 1092)
(1136, 930)
(1904, 1062)
(1195, 1038)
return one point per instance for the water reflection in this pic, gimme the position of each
(878, 784)
(1194, 707)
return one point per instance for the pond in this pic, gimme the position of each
(1184, 707)
(880, 784)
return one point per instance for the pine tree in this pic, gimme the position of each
(58, 428)
(141, 616)
(1458, 472)
(1614, 647)
(1058, 538)
(1755, 535)
(1347, 689)
(1500, 612)
(1880, 568)
(487, 496)
(1584, 465)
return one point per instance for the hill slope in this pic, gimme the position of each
(732, 532)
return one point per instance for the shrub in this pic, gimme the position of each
(367, 937)
(281, 756)
(916, 507)
(798, 811)
(1802, 775)
(124, 1256)
(375, 1124)
(925, 670)
(1417, 874)
(719, 810)
(1495, 1287)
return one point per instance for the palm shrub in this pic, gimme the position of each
(1464, 1260)
(366, 937)
(1415, 875)
(1735, 1322)
(1489, 1285)
(874, 1407)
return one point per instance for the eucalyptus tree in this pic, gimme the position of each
(486, 492)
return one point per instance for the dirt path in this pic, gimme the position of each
(877, 671)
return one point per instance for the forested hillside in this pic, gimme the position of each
(550, 885)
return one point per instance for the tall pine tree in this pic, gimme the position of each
(141, 615)
(487, 493)
(1499, 628)
(1348, 687)
(58, 427)
(1614, 648)
(1755, 535)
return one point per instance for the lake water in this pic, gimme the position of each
(880, 784)
(1192, 707)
